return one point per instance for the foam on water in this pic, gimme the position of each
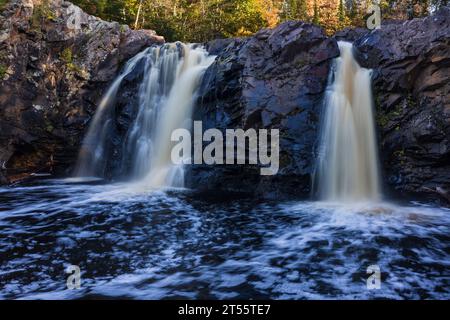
(173, 244)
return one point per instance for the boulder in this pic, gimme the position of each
(55, 63)
(272, 80)
(411, 82)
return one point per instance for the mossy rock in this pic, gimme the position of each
(3, 5)
(66, 55)
(3, 70)
(42, 13)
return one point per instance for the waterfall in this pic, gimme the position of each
(91, 160)
(347, 167)
(167, 93)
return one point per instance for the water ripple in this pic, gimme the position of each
(174, 244)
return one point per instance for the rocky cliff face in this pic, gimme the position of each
(411, 80)
(273, 80)
(55, 63)
(276, 80)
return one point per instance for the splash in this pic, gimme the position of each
(167, 93)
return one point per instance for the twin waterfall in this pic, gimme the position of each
(347, 167)
(347, 164)
(172, 74)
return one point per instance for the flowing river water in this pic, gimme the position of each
(176, 244)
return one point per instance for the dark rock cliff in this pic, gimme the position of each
(411, 81)
(276, 80)
(273, 80)
(55, 63)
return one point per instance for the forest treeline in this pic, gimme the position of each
(202, 20)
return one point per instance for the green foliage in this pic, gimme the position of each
(2, 4)
(316, 16)
(202, 20)
(42, 13)
(67, 57)
(49, 128)
(411, 102)
(35, 19)
(295, 10)
(46, 12)
(3, 70)
(384, 118)
(185, 20)
(123, 28)
(3, 67)
(400, 155)
(341, 12)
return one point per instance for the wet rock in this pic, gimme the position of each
(350, 34)
(55, 63)
(273, 80)
(411, 80)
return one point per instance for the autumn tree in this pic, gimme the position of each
(316, 14)
(202, 20)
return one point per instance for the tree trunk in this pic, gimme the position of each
(137, 15)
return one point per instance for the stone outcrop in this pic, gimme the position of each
(411, 81)
(55, 63)
(275, 80)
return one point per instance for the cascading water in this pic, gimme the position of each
(91, 158)
(172, 74)
(347, 168)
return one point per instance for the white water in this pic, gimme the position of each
(91, 158)
(172, 74)
(347, 168)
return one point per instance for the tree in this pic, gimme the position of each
(341, 13)
(202, 20)
(353, 10)
(137, 14)
(316, 17)
(302, 10)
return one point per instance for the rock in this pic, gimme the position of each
(217, 46)
(275, 80)
(57, 62)
(411, 80)
(350, 34)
